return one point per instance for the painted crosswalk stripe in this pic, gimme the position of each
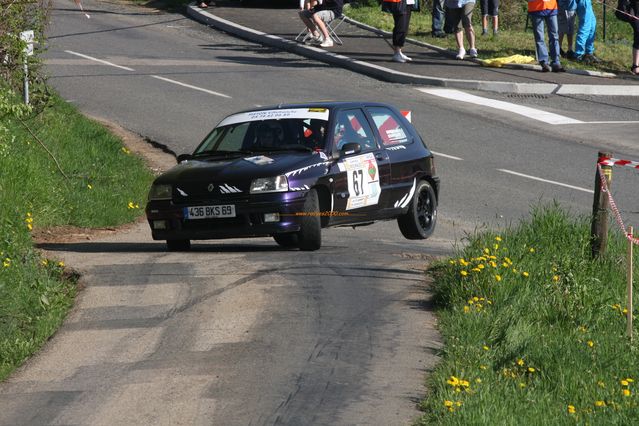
(531, 113)
(102, 61)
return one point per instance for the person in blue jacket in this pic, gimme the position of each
(566, 20)
(585, 40)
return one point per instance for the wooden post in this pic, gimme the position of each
(629, 286)
(599, 224)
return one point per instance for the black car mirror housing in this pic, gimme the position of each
(350, 149)
(183, 157)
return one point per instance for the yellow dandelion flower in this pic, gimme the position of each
(463, 273)
(522, 385)
(29, 227)
(464, 383)
(451, 409)
(629, 380)
(496, 247)
(582, 328)
(525, 274)
(89, 186)
(498, 239)
(505, 265)
(532, 250)
(590, 343)
(497, 278)
(600, 403)
(126, 151)
(131, 205)
(493, 264)
(6, 263)
(624, 383)
(481, 266)
(476, 270)
(478, 380)
(555, 278)
(486, 250)
(476, 299)
(452, 262)
(531, 369)
(61, 264)
(485, 348)
(601, 384)
(492, 257)
(44, 262)
(626, 392)
(482, 367)
(571, 409)
(507, 259)
(458, 403)
(624, 311)
(453, 381)
(448, 403)
(466, 309)
(520, 362)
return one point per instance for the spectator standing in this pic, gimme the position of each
(566, 21)
(585, 40)
(438, 19)
(545, 12)
(401, 10)
(489, 8)
(316, 18)
(459, 14)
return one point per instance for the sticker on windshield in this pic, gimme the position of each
(260, 160)
(363, 181)
(277, 114)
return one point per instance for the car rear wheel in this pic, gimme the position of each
(178, 245)
(286, 240)
(310, 233)
(419, 222)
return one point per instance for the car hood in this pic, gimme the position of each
(243, 168)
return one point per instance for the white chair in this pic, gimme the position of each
(331, 27)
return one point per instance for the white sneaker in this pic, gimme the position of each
(397, 57)
(316, 39)
(472, 53)
(461, 54)
(327, 43)
(407, 58)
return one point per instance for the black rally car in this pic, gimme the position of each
(287, 171)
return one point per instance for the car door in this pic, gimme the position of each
(361, 179)
(398, 143)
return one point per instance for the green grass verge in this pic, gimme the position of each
(615, 52)
(534, 329)
(106, 186)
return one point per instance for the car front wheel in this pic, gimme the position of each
(310, 234)
(419, 222)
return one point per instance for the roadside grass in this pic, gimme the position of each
(106, 186)
(534, 329)
(615, 52)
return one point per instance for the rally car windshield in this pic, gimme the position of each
(305, 134)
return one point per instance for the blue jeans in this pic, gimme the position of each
(553, 38)
(438, 15)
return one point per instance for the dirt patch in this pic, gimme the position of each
(155, 158)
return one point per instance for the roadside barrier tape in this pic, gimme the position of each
(613, 207)
(617, 162)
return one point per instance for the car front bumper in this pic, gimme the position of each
(167, 219)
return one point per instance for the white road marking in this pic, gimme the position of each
(532, 113)
(452, 157)
(191, 87)
(590, 191)
(99, 60)
(611, 122)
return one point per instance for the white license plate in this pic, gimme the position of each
(207, 212)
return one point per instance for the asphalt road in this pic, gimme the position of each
(241, 331)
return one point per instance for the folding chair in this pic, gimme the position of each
(331, 27)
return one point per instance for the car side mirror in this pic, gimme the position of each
(350, 149)
(183, 157)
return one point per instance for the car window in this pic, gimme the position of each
(390, 129)
(352, 126)
(226, 138)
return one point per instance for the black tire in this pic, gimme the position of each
(310, 234)
(286, 240)
(178, 245)
(420, 220)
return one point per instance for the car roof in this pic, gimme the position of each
(330, 105)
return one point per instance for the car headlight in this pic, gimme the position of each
(160, 192)
(270, 184)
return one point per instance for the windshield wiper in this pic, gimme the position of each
(222, 152)
(292, 147)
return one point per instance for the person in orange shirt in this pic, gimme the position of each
(545, 12)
